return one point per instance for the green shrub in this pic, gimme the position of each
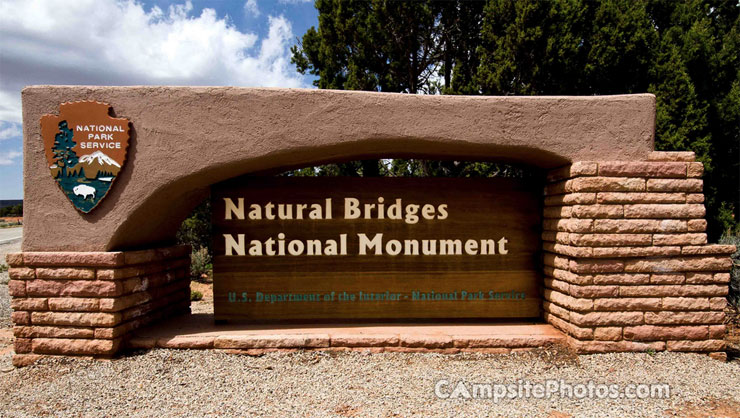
(734, 296)
(16, 210)
(3, 268)
(195, 296)
(200, 264)
(195, 230)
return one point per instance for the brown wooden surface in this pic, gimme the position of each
(478, 209)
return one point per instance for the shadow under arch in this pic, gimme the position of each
(157, 217)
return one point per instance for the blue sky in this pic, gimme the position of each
(198, 42)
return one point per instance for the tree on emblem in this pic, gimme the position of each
(64, 156)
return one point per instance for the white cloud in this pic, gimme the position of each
(8, 157)
(109, 42)
(9, 130)
(250, 7)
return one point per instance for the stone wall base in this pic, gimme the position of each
(627, 264)
(88, 303)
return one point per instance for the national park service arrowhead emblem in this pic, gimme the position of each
(85, 150)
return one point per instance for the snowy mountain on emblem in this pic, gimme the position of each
(101, 158)
(96, 165)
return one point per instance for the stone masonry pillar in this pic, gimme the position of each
(87, 303)
(627, 263)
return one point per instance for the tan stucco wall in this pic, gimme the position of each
(187, 138)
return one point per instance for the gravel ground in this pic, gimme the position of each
(6, 334)
(4, 297)
(200, 383)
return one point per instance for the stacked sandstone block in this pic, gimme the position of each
(627, 264)
(86, 303)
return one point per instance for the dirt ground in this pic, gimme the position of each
(713, 409)
(206, 304)
(11, 219)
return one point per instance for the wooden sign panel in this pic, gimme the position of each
(336, 248)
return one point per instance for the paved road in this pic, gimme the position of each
(8, 235)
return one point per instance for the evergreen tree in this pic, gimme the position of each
(373, 45)
(64, 156)
(695, 77)
(565, 47)
(686, 53)
(461, 31)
